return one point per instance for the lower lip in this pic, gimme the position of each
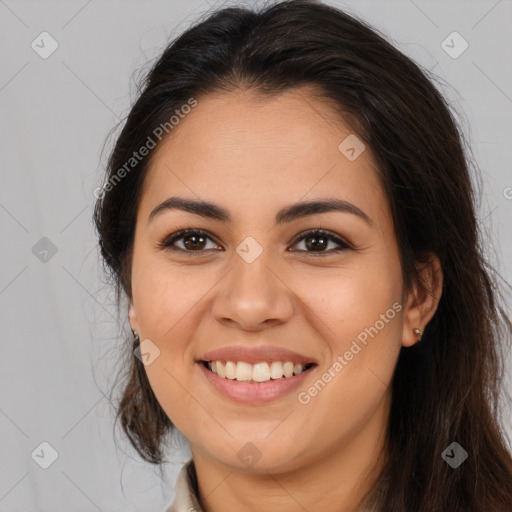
(257, 392)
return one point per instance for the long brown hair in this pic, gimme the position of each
(447, 387)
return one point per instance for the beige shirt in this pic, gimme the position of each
(186, 494)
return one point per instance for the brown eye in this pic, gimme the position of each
(191, 240)
(317, 241)
(194, 242)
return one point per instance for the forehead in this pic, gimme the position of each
(249, 152)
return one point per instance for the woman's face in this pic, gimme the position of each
(252, 287)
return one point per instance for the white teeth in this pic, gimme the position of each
(298, 368)
(243, 371)
(259, 372)
(230, 370)
(276, 370)
(288, 369)
(221, 369)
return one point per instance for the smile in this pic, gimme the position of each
(242, 371)
(256, 383)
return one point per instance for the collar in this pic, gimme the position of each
(185, 491)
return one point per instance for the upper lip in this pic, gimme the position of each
(252, 355)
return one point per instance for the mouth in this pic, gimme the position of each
(257, 373)
(257, 383)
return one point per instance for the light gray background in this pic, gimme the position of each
(58, 322)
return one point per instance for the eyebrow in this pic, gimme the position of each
(287, 214)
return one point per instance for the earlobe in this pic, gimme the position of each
(422, 301)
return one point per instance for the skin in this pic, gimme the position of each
(253, 156)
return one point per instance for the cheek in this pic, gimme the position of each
(168, 298)
(170, 387)
(169, 305)
(346, 301)
(358, 314)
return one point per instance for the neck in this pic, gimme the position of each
(336, 481)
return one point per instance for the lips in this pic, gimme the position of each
(253, 355)
(254, 393)
(260, 389)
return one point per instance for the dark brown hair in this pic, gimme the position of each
(447, 387)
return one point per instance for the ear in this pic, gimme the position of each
(132, 318)
(422, 301)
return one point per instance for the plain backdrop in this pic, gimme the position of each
(59, 332)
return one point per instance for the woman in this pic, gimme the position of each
(289, 213)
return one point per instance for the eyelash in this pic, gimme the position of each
(168, 242)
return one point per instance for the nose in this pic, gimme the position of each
(253, 296)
